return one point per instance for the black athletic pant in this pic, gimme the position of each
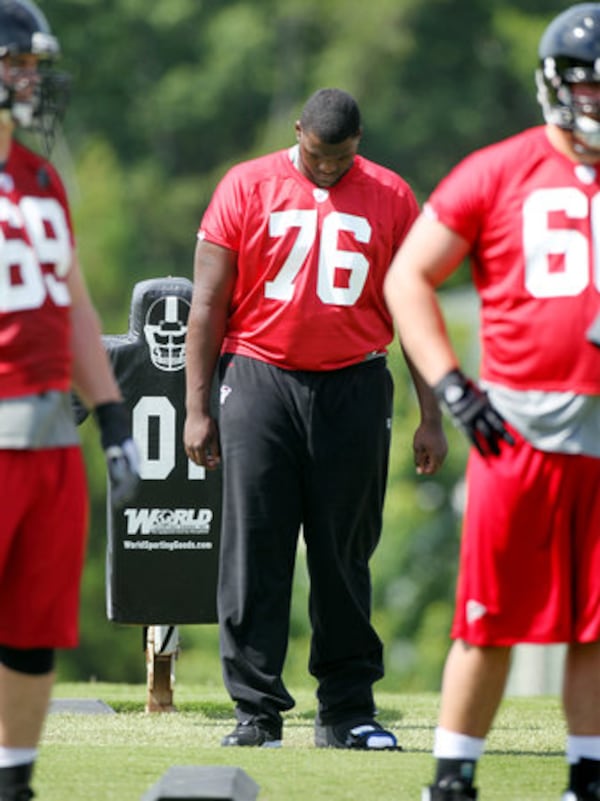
(301, 451)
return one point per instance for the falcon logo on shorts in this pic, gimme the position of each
(475, 611)
(225, 392)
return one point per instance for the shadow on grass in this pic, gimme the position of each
(209, 709)
(383, 715)
(520, 753)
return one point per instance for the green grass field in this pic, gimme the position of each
(119, 757)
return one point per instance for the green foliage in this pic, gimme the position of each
(166, 96)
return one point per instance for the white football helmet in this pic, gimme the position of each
(165, 329)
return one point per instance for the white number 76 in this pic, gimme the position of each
(330, 256)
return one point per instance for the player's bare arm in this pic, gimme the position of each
(429, 254)
(214, 274)
(93, 378)
(429, 441)
(97, 387)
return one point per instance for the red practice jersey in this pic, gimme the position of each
(311, 262)
(532, 218)
(35, 255)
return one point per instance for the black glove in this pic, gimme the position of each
(120, 451)
(472, 412)
(80, 412)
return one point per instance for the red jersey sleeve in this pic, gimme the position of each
(222, 220)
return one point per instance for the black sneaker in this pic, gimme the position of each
(14, 783)
(253, 733)
(456, 791)
(364, 735)
(593, 795)
(584, 781)
(22, 794)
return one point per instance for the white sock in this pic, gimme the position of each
(579, 747)
(451, 745)
(9, 757)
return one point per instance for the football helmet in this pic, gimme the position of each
(569, 53)
(36, 99)
(165, 329)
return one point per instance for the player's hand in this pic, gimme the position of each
(120, 451)
(201, 440)
(472, 412)
(429, 447)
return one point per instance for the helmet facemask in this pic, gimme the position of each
(36, 99)
(586, 117)
(565, 106)
(53, 97)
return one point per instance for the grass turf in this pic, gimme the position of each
(118, 757)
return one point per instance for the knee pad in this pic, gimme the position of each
(33, 661)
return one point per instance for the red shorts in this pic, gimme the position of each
(43, 529)
(530, 552)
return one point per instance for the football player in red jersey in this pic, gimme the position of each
(49, 342)
(288, 288)
(526, 212)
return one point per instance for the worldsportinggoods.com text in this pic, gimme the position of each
(167, 545)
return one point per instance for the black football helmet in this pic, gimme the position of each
(569, 53)
(24, 29)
